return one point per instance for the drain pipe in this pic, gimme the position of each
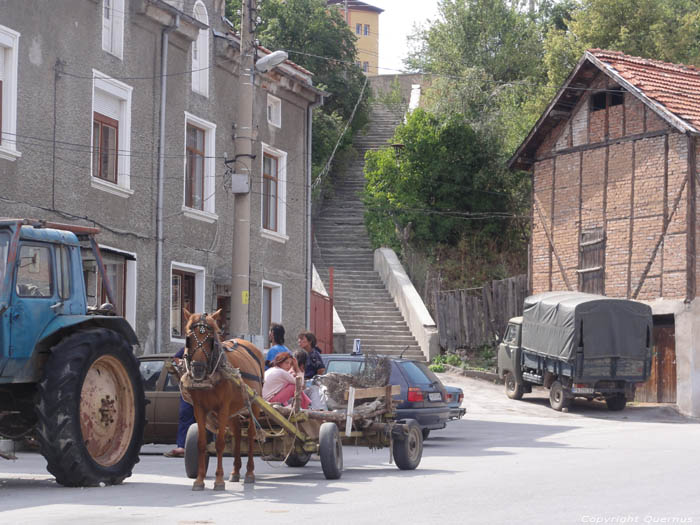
(161, 168)
(309, 176)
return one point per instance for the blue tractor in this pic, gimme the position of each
(68, 373)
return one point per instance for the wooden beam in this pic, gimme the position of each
(551, 243)
(630, 243)
(374, 392)
(597, 145)
(690, 244)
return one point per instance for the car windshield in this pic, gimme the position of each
(4, 248)
(150, 372)
(418, 373)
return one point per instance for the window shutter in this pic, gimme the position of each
(107, 105)
(195, 63)
(107, 17)
(118, 16)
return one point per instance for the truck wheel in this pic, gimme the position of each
(192, 452)
(330, 448)
(557, 397)
(408, 448)
(514, 390)
(91, 410)
(616, 402)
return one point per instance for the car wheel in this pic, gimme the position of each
(514, 389)
(408, 447)
(192, 452)
(91, 411)
(426, 433)
(330, 449)
(616, 402)
(557, 396)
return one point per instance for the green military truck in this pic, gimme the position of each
(577, 345)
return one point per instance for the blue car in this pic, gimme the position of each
(455, 396)
(423, 397)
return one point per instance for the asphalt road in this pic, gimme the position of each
(505, 462)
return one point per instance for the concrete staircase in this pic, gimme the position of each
(363, 303)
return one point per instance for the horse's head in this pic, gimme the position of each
(201, 343)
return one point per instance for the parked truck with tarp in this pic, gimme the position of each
(68, 374)
(577, 345)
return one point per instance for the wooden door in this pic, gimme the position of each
(322, 321)
(661, 385)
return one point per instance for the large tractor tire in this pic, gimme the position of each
(91, 409)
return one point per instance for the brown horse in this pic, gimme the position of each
(203, 358)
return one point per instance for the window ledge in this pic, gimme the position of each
(112, 188)
(9, 153)
(274, 236)
(274, 124)
(200, 215)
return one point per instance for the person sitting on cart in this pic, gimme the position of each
(275, 336)
(314, 363)
(280, 381)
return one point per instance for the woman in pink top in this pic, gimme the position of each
(280, 381)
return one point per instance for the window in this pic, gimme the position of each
(9, 43)
(274, 193)
(591, 270)
(120, 267)
(271, 306)
(604, 99)
(511, 336)
(4, 249)
(34, 273)
(186, 292)
(358, 29)
(274, 111)
(366, 33)
(63, 271)
(104, 147)
(200, 53)
(111, 135)
(113, 12)
(365, 66)
(200, 145)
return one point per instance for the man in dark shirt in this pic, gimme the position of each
(185, 419)
(314, 363)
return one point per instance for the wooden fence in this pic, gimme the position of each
(477, 316)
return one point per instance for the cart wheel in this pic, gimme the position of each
(331, 451)
(557, 396)
(298, 459)
(408, 447)
(192, 452)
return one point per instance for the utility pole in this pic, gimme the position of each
(240, 269)
(346, 12)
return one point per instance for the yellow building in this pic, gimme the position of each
(363, 19)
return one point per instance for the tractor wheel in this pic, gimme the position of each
(91, 410)
(408, 448)
(514, 390)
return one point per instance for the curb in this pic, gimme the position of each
(476, 374)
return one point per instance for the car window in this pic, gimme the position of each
(511, 336)
(150, 372)
(345, 367)
(4, 248)
(170, 384)
(417, 375)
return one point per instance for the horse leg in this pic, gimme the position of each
(219, 483)
(250, 466)
(200, 416)
(236, 474)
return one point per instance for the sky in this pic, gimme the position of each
(395, 24)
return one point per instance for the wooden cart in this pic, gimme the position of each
(292, 435)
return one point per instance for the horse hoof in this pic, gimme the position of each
(249, 479)
(197, 486)
(235, 477)
(220, 486)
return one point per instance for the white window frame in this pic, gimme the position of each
(200, 277)
(122, 92)
(274, 111)
(9, 47)
(281, 234)
(200, 52)
(276, 302)
(113, 27)
(208, 214)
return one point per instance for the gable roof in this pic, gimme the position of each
(672, 91)
(357, 5)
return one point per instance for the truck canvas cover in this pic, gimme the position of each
(558, 324)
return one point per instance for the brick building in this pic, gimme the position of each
(614, 170)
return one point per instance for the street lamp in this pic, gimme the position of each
(267, 62)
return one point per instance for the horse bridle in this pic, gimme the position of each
(201, 370)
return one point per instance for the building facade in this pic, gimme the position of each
(82, 142)
(615, 180)
(363, 20)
